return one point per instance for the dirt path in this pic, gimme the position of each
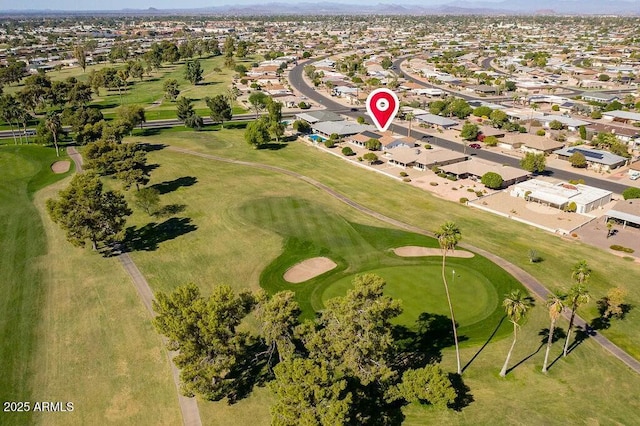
(188, 406)
(524, 277)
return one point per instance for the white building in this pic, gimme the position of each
(561, 195)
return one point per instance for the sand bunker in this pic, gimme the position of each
(416, 251)
(61, 166)
(308, 269)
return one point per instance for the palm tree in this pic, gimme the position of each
(9, 112)
(409, 117)
(534, 107)
(516, 306)
(448, 236)
(555, 303)
(53, 124)
(578, 295)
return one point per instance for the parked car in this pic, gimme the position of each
(474, 146)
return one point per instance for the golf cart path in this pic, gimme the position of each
(524, 277)
(188, 406)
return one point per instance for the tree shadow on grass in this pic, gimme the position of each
(371, 404)
(148, 237)
(249, 371)
(525, 359)
(106, 106)
(172, 185)
(234, 125)
(485, 343)
(464, 397)
(423, 344)
(581, 334)
(170, 210)
(149, 147)
(273, 146)
(603, 321)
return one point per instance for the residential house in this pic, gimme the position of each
(537, 144)
(561, 195)
(597, 159)
(570, 123)
(341, 128)
(628, 135)
(476, 168)
(436, 121)
(627, 212)
(312, 117)
(605, 98)
(421, 158)
(621, 116)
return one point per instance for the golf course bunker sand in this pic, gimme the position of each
(416, 251)
(308, 269)
(61, 166)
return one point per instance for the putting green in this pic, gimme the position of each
(421, 290)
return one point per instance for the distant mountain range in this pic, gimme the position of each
(510, 7)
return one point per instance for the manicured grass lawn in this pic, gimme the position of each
(25, 169)
(150, 89)
(251, 225)
(71, 324)
(509, 239)
(421, 290)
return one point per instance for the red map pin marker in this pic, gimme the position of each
(382, 105)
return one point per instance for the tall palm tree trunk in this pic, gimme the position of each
(566, 342)
(549, 342)
(55, 142)
(453, 319)
(503, 372)
(15, 141)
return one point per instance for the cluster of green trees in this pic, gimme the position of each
(343, 367)
(187, 114)
(41, 95)
(451, 106)
(12, 72)
(88, 124)
(259, 131)
(167, 51)
(612, 143)
(125, 161)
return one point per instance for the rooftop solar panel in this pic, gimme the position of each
(588, 154)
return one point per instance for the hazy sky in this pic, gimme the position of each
(188, 4)
(171, 4)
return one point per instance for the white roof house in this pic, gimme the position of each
(571, 123)
(621, 115)
(560, 195)
(627, 211)
(317, 116)
(436, 120)
(341, 128)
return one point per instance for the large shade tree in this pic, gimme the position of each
(449, 236)
(87, 212)
(516, 306)
(220, 109)
(203, 330)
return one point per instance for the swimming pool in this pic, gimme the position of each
(317, 138)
